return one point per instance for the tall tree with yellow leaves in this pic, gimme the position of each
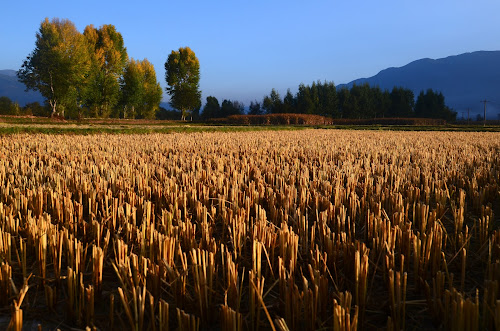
(141, 92)
(109, 57)
(182, 73)
(58, 65)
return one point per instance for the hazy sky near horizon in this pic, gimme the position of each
(246, 48)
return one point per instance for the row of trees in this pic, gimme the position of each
(360, 101)
(213, 109)
(9, 107)
(89, 74)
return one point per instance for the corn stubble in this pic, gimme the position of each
(297, 230)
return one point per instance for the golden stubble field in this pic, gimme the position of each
(299, 230)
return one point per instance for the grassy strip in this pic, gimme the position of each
(138, 129)
(454, 128)
(31, 125)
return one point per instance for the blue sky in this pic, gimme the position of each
(246, 48)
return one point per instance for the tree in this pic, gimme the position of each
(109, 58)
(344, 101)
(277, 104)
(166, 114)
(402, 102)
(182, 73)
(305, 102)
(35, 109)
(152, 91)
(141, 92)
(289, 103)
(6, 106)
(432, 105)
(267, 104)
(229, 108)
(272, 103)
(58, 65)
(255, 108)
(211, 109)
(328, 103)
(362, 101)
(239, 107)
(382, 101)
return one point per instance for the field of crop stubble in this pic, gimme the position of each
(299, 230)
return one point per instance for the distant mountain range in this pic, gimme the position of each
(10, 87)
(464, 80)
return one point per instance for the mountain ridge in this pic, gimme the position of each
(464, 80)
(15, 90)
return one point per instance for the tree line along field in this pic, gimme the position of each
(90, 74)
(297, 230)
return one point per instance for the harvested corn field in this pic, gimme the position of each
(299, 230)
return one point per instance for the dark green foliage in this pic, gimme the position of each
(402, 103)
(382, 102)
(255, 108)
(272, 104)
(35, 109)
(229, 108)
(6, 106)
(267, 104)
(165, 114)
(327, 100)
(276, 103)
(318, 99)
(211, 109)
(289, 103)
(305, 104)
(364, 97)
(431, 105)
(358, 102)
(344, 103)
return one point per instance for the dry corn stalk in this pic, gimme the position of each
(134, 305)
(230, 319)
(204, 278)
(187, 322)
(307, 203)
(397, 298)
(342, 320)
(16, 321)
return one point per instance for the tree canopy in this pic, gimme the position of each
(359, 101)
(7, 107)
(109, 58)
(255, 108)
(58, 66)
(431, 104)
(141, 92)
(182, 73)
(211, 109)
(84, 74)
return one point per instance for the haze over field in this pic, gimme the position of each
(246, 49)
